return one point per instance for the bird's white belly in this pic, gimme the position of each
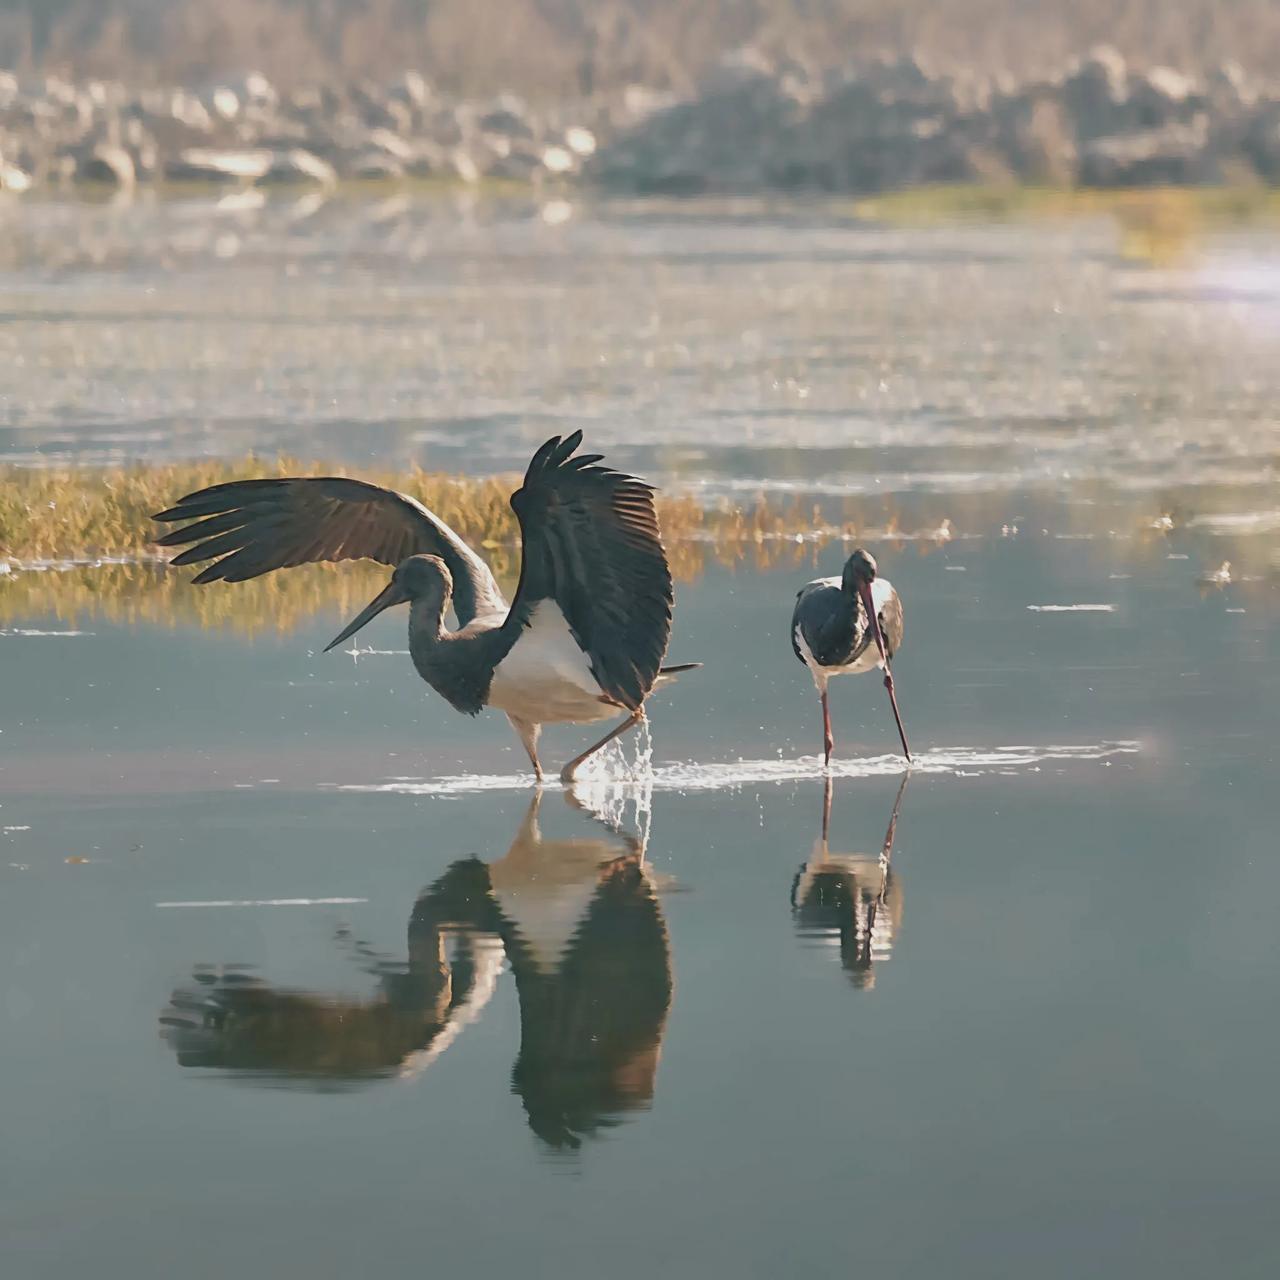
(868, 660)
(546, 677)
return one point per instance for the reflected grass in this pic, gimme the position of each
(152, 592)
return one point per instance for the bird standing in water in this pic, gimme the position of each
(585, 636)
(846, 625)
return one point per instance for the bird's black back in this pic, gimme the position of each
(833, 624)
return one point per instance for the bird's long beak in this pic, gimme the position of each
(864, 590)
(393, 594)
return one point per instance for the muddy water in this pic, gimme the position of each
(298, 975)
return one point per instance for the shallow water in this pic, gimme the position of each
(297, 976)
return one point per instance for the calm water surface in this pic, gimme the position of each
(299, 977)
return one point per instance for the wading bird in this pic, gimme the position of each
(584, 637)
(846, 625)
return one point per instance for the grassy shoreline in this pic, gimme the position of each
(77, 541)
(67, 514)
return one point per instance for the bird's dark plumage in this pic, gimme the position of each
(834, 624)
(845, 625)
(250, 527)
(828, 622)
(591, 545)
(591, 618)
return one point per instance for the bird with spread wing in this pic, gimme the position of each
(583, 639)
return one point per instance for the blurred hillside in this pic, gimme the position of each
(559, 48)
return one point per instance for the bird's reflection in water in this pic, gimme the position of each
(583, 931)
(851, 899)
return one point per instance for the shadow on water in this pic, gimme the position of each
(853, 900)
(578, 922)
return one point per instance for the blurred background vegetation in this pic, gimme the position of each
(554, 48)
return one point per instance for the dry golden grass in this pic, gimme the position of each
(66, 532)
(52, 514)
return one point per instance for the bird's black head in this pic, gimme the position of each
(424, 578)
(859, 571)
(421, 579)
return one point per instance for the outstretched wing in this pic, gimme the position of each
(249, 527)
(591, 545)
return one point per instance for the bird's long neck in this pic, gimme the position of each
(458, 665)
(857, 610)
(426, 630)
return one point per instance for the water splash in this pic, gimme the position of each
(624, 805)
(34, 632)
(625, 759)
(1071, 608)
(963, 762)
(268, 902)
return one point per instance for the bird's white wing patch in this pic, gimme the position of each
(818, 672)
(819, 582)
(881, 593)
(546, 676)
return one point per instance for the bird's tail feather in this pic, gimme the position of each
(678, 668)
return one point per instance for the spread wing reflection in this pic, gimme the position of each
(853, 900)
(579, 924)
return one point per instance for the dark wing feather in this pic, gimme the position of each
(591, 544)
(835, 626)
(250, 527)
(829, 622)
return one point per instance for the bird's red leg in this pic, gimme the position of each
(828, 742)
(886, 852)
(566, 774)
(529, 733)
